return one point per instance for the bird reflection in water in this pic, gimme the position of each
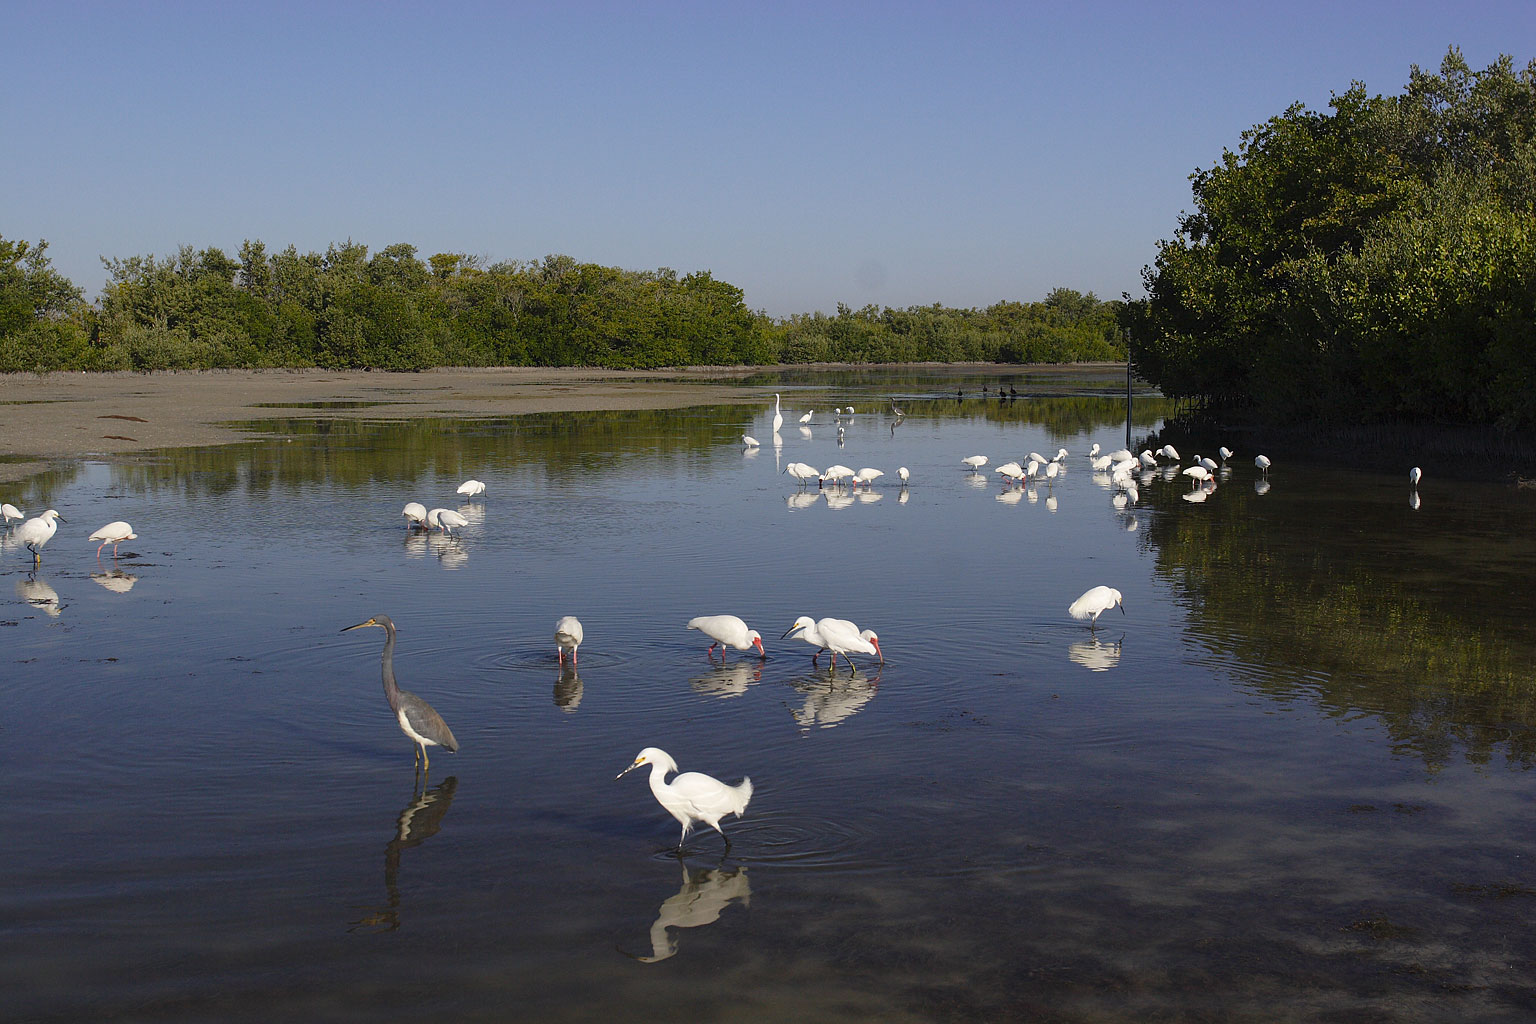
(830, 698)
(1094, 654)
(803, 499)
(1261, 486)
(415, 542)
(449, 549)
(117, 581)
(419, 821)
(839, 500)
(568, 688)
(705, 893)
(727, 680)
(39, 594)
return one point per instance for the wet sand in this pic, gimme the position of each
(81, 415)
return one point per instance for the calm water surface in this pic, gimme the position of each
(1292, 782)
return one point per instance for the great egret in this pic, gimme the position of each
(778, 418)
(1415, 475)
(10, 512)
(975, 462)
(114, 534)
(470, 488)
(417, 719)
(1094, 602)
(568, 636)
(415, 512)
(691, 796)
(34, 533)
(1262, 462)
(728, 631)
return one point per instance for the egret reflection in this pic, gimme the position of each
(1261, 486)
(831, 698)
(1094, 654)
(803, 499)
(705, 893)
(449, 549)
(837, 499)
(117, 581)
(419, 821)
(729, 680)
(568, 689)
(39, 594)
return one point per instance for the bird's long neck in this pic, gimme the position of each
(387, 667)
(658, 778)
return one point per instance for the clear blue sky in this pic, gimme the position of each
(810, 153)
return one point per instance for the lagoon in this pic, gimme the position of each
(1292, 781)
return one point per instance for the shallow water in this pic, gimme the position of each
(1292, 781)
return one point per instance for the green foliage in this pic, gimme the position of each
(392, 311)
(1373, 262)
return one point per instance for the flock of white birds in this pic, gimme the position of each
(692, 796)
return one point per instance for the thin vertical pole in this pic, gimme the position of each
(1127, 389)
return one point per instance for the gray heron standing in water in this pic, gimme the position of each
(417, 718)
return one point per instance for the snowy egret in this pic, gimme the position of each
(417, 719)
(1224, 452)
(975, 462)
(1011, 470)
(470, 488)
(778, 418)
(1262, 462)
(749, 441)
(1415, 475)
(1094, 602)
(1168, 451)
(34, 533)
(1037, 457)
(1052, 469)
(1061, 453)
(1197, 474)
(1147, 459)
(836, 635)
(691, 796)
(568, 636)
(1094, 451)
(903, 475)
(728, 631)
(10, 512)
(1101, 463)
(114, 534)
(867, 476)
(446, 519)
(1209, 464)
(802, 471)
(415, 513)
(807, 417)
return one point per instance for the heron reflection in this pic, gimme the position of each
(1094, 654)
(568, 688)
(39, 594)
(705, 893)
(117, 581)
(419, 821)
(729, 680)
(831, 698)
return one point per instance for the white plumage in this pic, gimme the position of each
(568, 637)
(470, 488)
(691, 796)
(1095, 602)
(34, 533)
(114, 534)
(728, 631)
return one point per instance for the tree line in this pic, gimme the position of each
(1372, 263)
(348, 308)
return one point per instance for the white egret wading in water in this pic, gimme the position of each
(415, 513)
(417, 718)
(470, 488)
(1262, 461)
(10, 512)
(778, 417)
(692, 796)
(1094, 603)
(34, 533)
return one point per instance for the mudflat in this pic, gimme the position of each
(80, 415)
